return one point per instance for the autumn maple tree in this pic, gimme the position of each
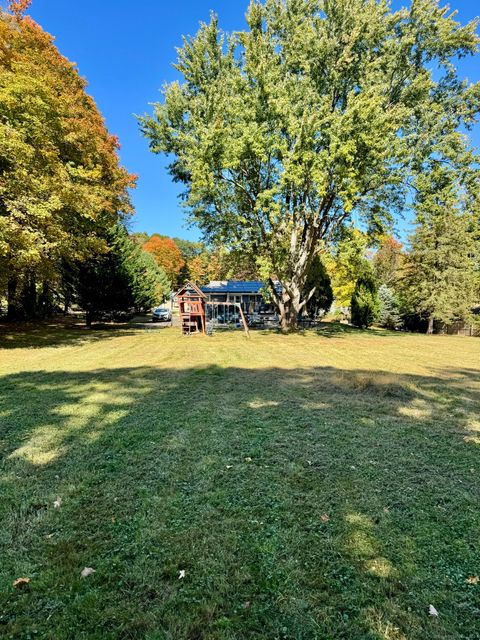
(167, 255)
(61, 184)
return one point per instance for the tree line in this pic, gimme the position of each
(64, 198)
(369, 278)
(321, 113)
(300, 141)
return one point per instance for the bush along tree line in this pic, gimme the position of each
(317, 112)
(64, 199)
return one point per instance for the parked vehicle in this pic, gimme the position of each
(161, 314)
(114, 316)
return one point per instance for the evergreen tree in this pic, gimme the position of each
(365, 304)
(150, 283)
(389, 314)
(319, 282)
(441, 281)
(121, 280)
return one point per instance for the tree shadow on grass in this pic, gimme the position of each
(57, 332)
(339, 329)
(307, 503)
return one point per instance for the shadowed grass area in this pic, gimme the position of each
(53, 333)
(309, 488)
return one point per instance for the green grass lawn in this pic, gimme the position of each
(323, 485)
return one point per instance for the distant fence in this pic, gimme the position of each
(459, 328)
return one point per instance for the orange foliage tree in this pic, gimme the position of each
(205, 267)
(167, 255)
(61, 184)
(389, 260)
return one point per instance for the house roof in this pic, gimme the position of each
(234, 286)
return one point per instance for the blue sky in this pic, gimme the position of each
(125, 50)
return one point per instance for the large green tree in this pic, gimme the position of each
(442, 270)
(61, 184)
(318, 110)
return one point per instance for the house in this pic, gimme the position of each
(247, 293)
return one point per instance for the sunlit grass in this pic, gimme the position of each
(322, 485)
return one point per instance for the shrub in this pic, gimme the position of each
(365, 305)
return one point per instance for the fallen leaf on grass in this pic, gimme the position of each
(20, 583)
(472, 580)
(181, 574)
(58, 503)
(432, 611)
(87, 572)
(324, 517)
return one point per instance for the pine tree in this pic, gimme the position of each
(121, 280)
(389, 315)
(365, 304)
(441, 280)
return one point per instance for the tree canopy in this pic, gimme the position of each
(60, 178)
(167, 255)
(318, 110)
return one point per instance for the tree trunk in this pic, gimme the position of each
(88, 318)
(45, 303)
(430, 325)
(13, 308)
(29, 296)
(292, 299)
(289, 304)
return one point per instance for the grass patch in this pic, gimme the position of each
(309, 487)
